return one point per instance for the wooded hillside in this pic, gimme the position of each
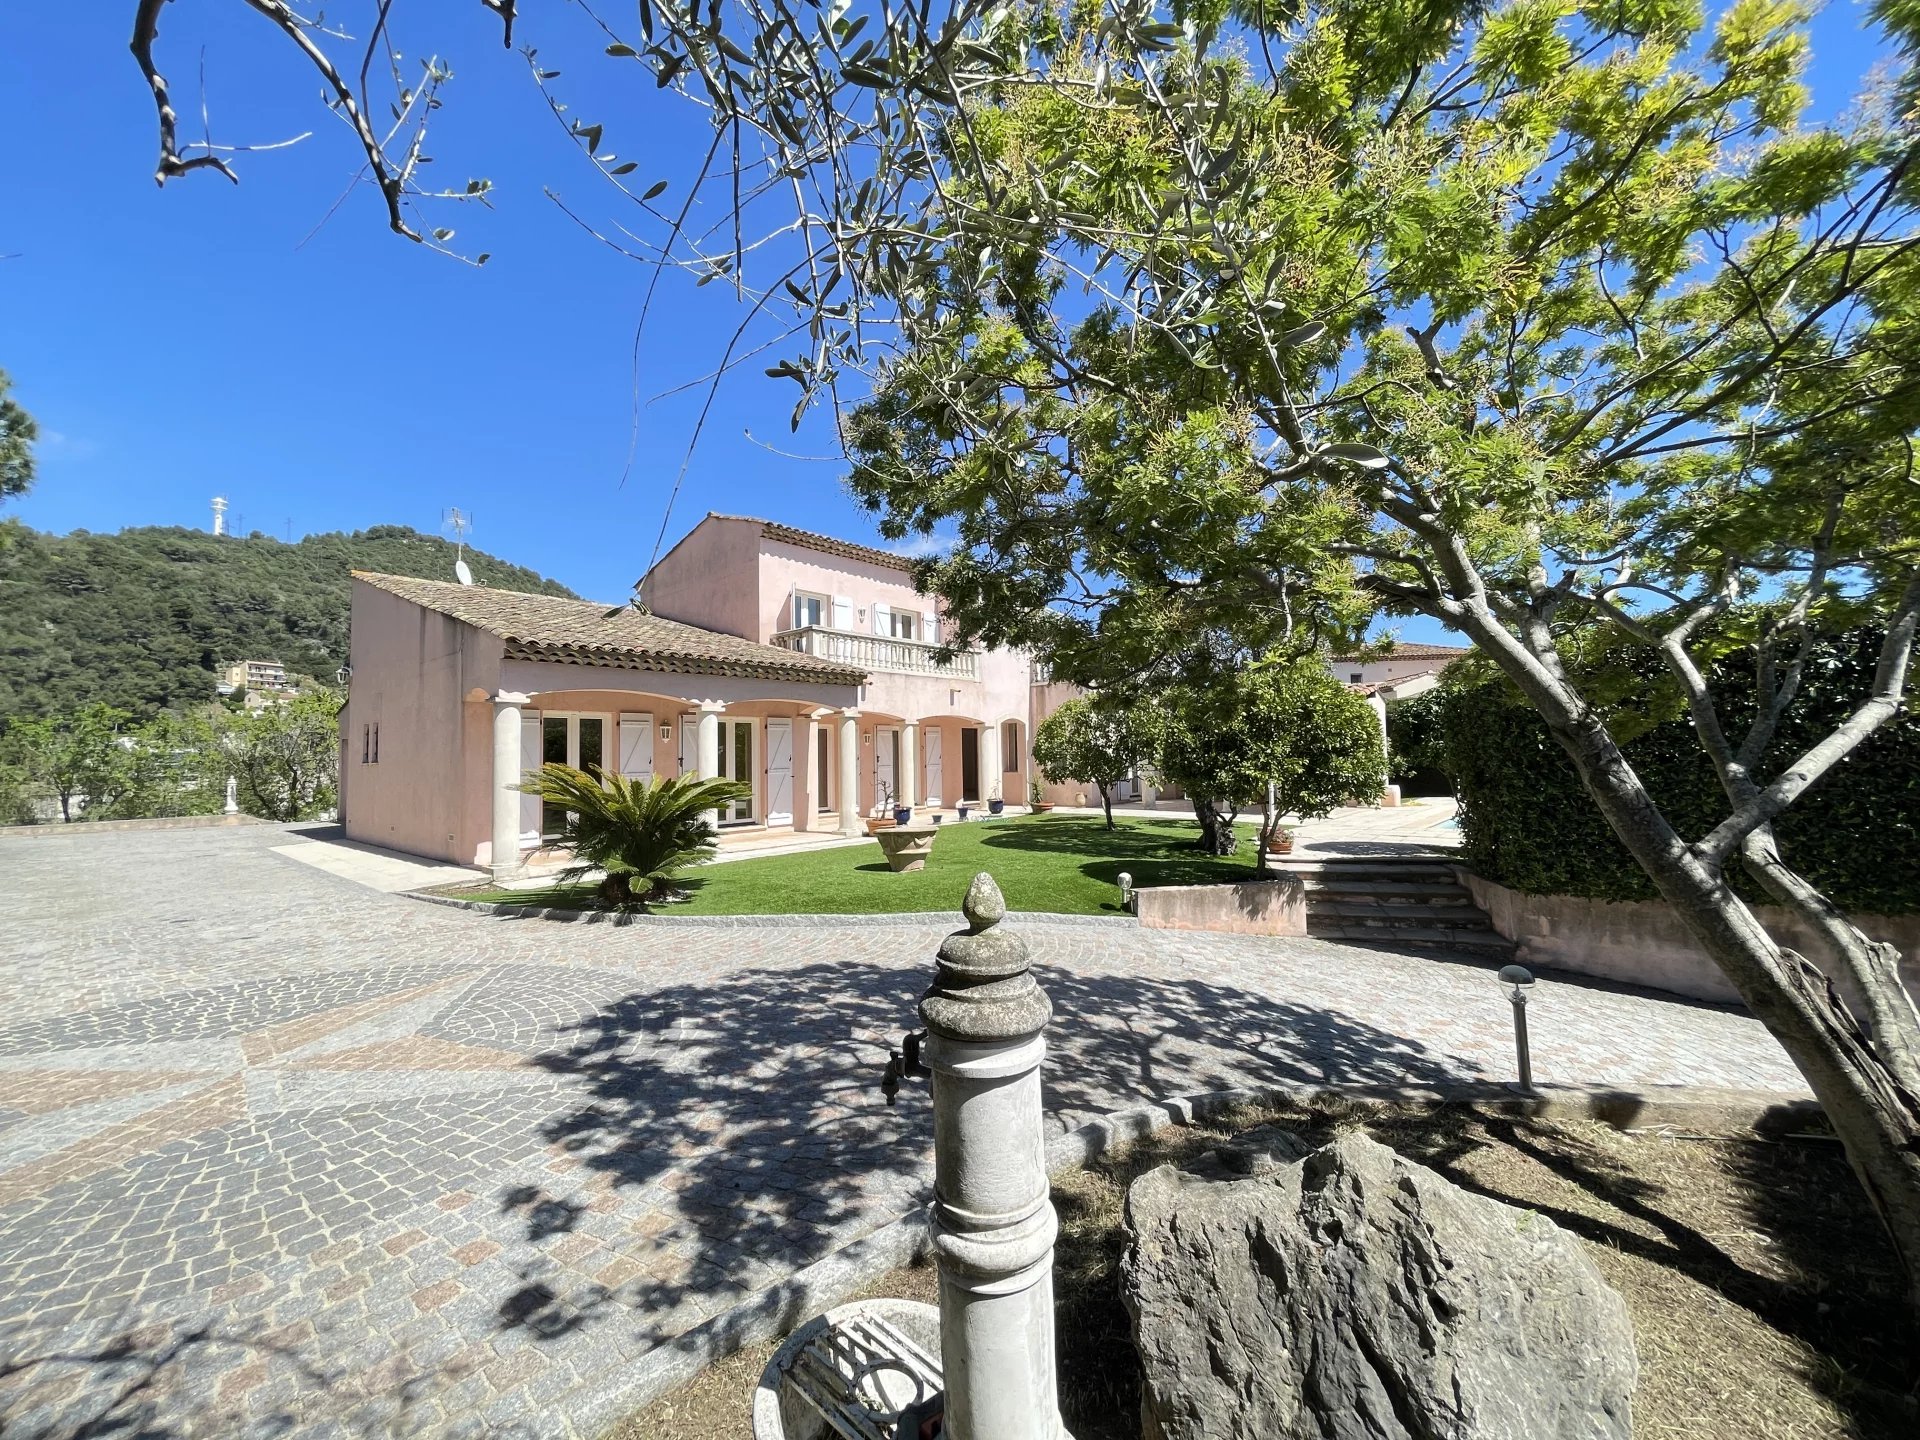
(147, 618)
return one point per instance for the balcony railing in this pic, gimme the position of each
(877, 652)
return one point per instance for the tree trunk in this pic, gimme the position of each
(1876, 1117)
(1216, 830)
(1106, 801)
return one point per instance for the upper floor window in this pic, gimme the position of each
(809, 610)
(1354, 678)
(901, 625)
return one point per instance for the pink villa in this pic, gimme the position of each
(804, 665)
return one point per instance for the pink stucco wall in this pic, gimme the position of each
(710, 578)
(1385, 672)
(412, 669)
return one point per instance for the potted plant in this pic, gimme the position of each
(881, 818)
(1035, 801)
(902, 814)
(994, 803)
(963, 807)
(1279, 840)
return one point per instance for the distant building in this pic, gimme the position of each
(254, 675)
(1398, 665)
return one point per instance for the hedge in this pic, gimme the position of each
(1528, 822)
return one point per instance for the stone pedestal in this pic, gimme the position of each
(993, 1222)
(907, 846)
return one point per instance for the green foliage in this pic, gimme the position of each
(1416, 744)
(1289, 724)
(147, 619)
(77, 759)
(643, 834)
(17, 434)
(286, 755)
(1527, 822)
(1097, 739)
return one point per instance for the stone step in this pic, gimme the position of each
(1474, 942)
(1337, 887)
(1459, 917)
(1367, 870)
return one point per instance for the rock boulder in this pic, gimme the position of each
(1354, 1295)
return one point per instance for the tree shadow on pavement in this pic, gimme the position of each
(740, 1122)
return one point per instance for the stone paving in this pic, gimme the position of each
(279, 1154)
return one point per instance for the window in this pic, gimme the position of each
(1010, 746)
(376, 744)
(1354, 678)
(901, 622)
(809, 610)
(366, 743)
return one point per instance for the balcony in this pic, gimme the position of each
(877, 653)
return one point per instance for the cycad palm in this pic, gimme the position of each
(641, 833)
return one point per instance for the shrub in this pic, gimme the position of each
(1526, 821)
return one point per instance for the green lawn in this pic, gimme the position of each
(1062, 863)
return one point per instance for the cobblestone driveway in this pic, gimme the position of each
(278, 1154)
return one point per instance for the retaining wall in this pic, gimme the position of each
(1249, 907)
(1643, 942)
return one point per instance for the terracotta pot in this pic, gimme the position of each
(877, 823)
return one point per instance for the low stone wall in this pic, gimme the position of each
(1642, 942)
(1250, 907)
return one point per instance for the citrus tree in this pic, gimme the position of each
(1101, 740)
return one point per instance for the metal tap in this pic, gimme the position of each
(902, 1061)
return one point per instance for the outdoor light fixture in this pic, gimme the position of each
(1126, 891)
(666, 730)
(1519, 980)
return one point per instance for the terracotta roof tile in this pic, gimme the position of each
(1407, 652)
(811, 540)
(583, 632)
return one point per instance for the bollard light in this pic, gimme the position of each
(1126, 891)
(1519, 980)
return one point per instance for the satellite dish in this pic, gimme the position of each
(460, 569)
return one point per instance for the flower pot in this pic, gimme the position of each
(994, 807)
(876, 823)
(1041, 807)
(903, 814)
(963, 811)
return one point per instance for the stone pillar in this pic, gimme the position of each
(706, 755)
(993, 1224)
(232, 807)
(909, 777)
(1378, 704)
(990, 775)
(850, 773)
(506, 775)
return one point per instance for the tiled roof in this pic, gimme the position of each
(582, 632)
(809, 540)
(1407, 652)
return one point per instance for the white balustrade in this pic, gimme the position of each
(877, 652)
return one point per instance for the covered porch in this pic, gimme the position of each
(789, 741)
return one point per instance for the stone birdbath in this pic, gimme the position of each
(907, 846)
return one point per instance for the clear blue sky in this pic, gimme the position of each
(181, 343)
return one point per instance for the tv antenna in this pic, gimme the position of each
(460, 524)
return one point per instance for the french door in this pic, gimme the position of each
(737, 763)
(576, 740)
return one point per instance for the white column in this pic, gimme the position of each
(849, 777)
(993, 1222)
(990, 763)
(908, 780)
(706, 755)
(506, 775)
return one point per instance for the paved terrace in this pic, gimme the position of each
(280, 1154)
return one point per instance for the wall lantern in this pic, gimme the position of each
(666, 730)
(866, 737)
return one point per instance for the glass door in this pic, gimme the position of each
(555, 737)
(736, 763)
(576, 740)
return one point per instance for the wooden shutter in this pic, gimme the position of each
(842, 613)
(882, 620)
(636, 745)
(930, 627)
(529, 760)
